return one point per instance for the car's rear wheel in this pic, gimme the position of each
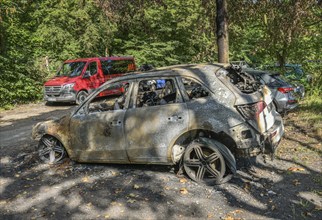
(81, 96)
(50, 150)
(204, 163)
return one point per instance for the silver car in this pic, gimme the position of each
(198, 116)
(285, 95)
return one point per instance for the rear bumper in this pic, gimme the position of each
(256, 143)
(274, 135)
(285, 102)
(286, 105)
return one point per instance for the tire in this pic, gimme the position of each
(81, 96)
(204, 163)
(50, 150)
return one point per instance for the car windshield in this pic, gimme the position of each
(71, 69)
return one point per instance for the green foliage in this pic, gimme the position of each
(163, 34)
(158, 32)
(34, 30)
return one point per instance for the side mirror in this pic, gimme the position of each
(87, 74)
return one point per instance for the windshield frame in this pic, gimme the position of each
(71, 71)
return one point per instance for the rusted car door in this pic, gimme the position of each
(98, 132)
(98, 137)
(151, 129)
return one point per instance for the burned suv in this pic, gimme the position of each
(198, 116)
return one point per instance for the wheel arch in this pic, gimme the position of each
(187, 137)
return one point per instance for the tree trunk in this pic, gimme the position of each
(222, 31)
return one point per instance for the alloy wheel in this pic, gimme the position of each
(204, 163)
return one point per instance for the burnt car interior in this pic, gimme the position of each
(151, 92)
(242, 80)
(110, 102)
(193, 89)
(156, 92)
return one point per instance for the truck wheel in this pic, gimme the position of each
(81, 96)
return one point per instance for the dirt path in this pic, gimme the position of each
(290, 187)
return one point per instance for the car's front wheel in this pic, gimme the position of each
(204, 163)
(50, 150)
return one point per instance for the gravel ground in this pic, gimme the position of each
(290, 187)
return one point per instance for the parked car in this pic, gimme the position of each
(293, 73)
(199, 116)
(285, 95)
(76, 79)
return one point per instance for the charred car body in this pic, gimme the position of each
(200, 116)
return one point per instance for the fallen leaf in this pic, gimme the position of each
(228, 217)
(131, 200)
(210, 215)
(293, 169)
(106, 216)
(183, 180)
(114, 173)
(183, 191)
(118, 191)
(318, 207)
(307, 214)
(238, 211)
(136, 186)
(132, 195)
(296, 182)
(167, 188)
(85, 179)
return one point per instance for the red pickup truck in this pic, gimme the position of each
(78, 78)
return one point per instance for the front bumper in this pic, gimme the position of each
(63, 97)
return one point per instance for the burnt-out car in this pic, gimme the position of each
(200, 116)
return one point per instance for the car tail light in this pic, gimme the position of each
(285, 90)
(252, 111)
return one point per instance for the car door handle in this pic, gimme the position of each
(174, 118)
(116, 123)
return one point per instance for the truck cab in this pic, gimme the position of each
(77, 78)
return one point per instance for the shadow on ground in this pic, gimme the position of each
(283, 189)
